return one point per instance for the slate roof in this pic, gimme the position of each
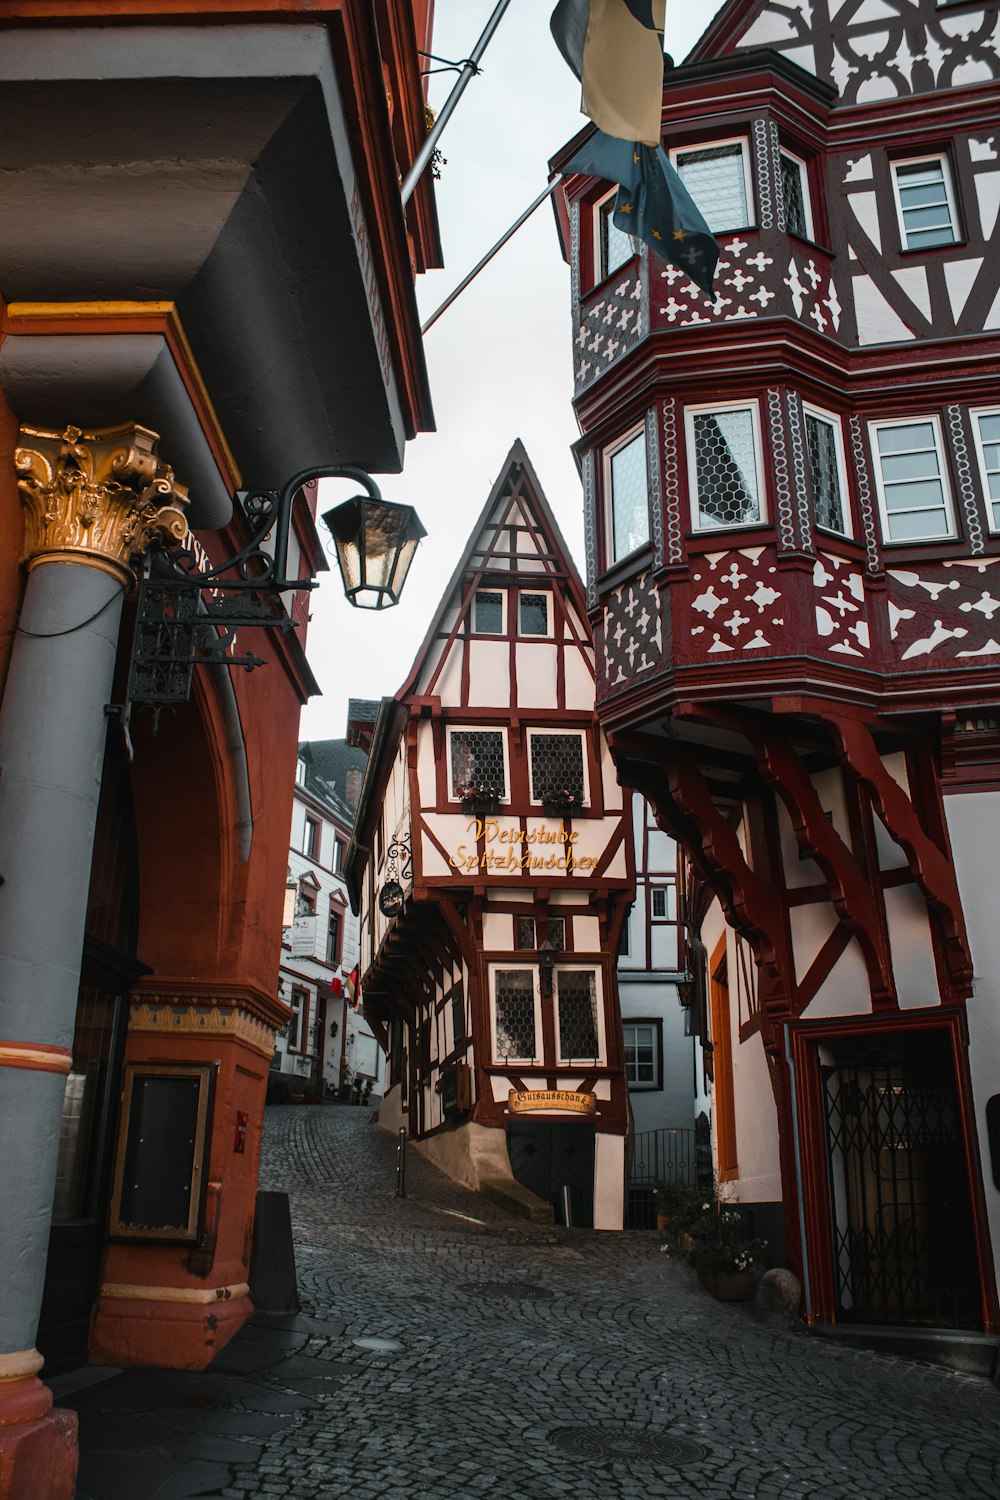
(328, 763)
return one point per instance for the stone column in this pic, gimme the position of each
(93, 501)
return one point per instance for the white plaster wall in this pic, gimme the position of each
(489, 674)
(912, 953)
(756, 1122)
(974, 825)
(810, 925)
(579, 678)
(609, 1182)
(536, 673)
(845, 991)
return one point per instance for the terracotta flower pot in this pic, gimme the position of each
(725, 1286)
(662, 1222)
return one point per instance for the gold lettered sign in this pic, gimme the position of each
(521, 1102)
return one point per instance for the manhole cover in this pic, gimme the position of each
(380, 1346)
(623, 1443)
(525, 1291)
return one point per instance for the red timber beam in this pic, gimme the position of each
(929, 863)
(671, 780)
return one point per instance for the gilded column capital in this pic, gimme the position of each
(98, 498)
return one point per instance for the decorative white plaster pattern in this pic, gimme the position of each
(784, 514)
(799, 471)
(590, 526)
(863, 483)
(965, 595)
(765, 188)
(741, 294)
(671, 482)
(653, 482)
(840, 609)
(574, 262)
(966, 488)
(608, 327)
(776, 177)
(632, 636)
(738, 602)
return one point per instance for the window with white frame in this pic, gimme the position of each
(914, 497)
(925, 202)
(577, 1020)
(298, 1020)
(827, 474)
(718, 177)
(628, 495)
(663, 902)
(795, 192)
(724, 462)
(612, 246)
(557, 767)
(478, 765)
(986, 426)
(487, 612)
(533, 614)
(643, 1053)
(515, 1019)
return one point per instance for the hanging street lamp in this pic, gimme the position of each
(375, 541)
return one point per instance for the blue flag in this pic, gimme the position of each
(652, 204)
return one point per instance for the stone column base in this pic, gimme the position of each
(157, 1330)
(38, 1452)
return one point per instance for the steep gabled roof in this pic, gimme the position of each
(490, 554)
(329, 764)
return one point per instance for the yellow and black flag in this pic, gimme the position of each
(615, 47)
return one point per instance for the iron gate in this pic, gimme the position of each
(903, 1246)
(667, 1155)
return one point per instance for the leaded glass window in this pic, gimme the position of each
(926, 210)
(576, 990)
(524, 932)
(727, 480)
(488, 612)
(629, 497)
(823, 450)
(988, 445)
(515, 1013)
(477, 766)
(615, 247)
(555, 933)
(915, 501)
(556, 768)
(716, 178)
(534, 613)
(795, 194)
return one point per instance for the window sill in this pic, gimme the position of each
(625, 568)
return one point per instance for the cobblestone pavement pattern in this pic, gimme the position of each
(669, 1392)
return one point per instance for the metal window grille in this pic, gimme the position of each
(577, 994)
(640, 1054)
(488, 612)
(617, 247)
(524, 932)
(629, 497)
(716, 179)
(794, 191)
(555, 933)
(824, 473)
(912, 484)
(477, 768)
(924, 203)
(556, 767)
(534, 611)
(726, 467)
(515, 1010)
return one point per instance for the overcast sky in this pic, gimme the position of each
(499, 358)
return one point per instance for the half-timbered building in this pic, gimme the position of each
(492, 862)
(792, 495)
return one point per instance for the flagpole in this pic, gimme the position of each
(508, 234)
(469, 69)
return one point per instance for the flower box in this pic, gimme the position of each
(725, 1286)
(481, 807)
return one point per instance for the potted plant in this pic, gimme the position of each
(561, 802)
(678, 1206)
(725, 1253)
(479, 798)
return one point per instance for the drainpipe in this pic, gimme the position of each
(806, 1290)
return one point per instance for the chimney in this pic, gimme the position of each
(352, 787)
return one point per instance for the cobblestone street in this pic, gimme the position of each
(528, 1363)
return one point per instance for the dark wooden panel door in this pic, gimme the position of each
(553, 1159)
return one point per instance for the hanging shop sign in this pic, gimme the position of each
(504, 851)
(527, 1101)
(390, 899)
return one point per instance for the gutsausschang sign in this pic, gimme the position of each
(527, 1101)
(505, 850)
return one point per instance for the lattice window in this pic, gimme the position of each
(534, 614)
(614, 247)
(796, 196)
(477, 765)
(727, 481)
(487, 616)
(555, 933)
(987, 429)
(524, 932)
(577, 1004)
(716, 178)
(515, 1013)
(924, 199)
(557, 768)
(629, 492)
(823, 449)
(642, 1041)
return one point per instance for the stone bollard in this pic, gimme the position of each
(776, 1303)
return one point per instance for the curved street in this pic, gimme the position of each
(521, 1361)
